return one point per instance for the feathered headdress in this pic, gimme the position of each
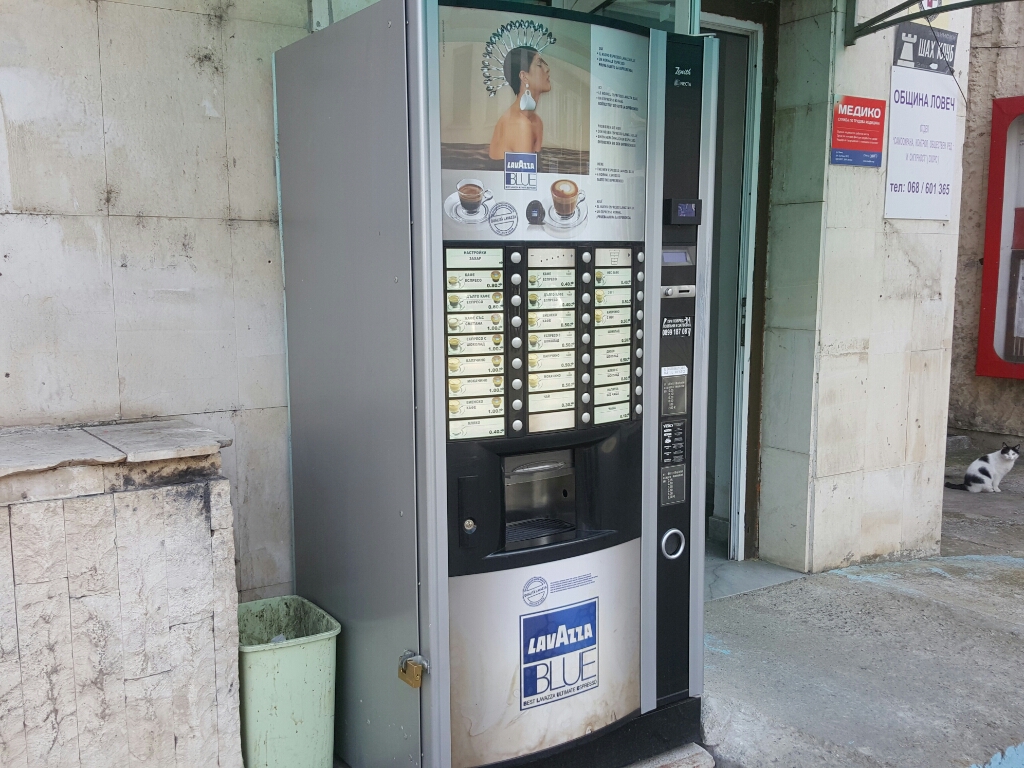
(521, 33)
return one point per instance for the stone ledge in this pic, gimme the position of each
(39, 449)
(160, 440)
(42, 448)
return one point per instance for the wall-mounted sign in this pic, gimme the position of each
(920, 46)
(858, 131)
(922, 124)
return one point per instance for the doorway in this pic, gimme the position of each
(739, 108)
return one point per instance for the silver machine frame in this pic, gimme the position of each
(414, 510)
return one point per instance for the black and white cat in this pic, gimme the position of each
(985, 474)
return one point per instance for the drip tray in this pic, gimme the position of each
(525, 533)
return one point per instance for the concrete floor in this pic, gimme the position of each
(918, 663)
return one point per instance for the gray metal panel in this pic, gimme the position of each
(652, 325)
(344, 155)
(701, 343)
(428, 319)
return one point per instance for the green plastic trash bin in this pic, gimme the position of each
(287, 686)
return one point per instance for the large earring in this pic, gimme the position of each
(527, 103)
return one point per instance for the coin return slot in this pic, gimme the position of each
(540, 499)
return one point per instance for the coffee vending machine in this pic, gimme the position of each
(497, 272)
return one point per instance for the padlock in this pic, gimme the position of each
(411, 667)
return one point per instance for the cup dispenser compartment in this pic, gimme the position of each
(540, 499)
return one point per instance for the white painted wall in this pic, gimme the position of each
(140, 271)
(859, 319)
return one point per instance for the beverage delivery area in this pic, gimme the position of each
(497, 299)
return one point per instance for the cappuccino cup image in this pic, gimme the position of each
(454, 407)
(496, 361)
(533, 359)
(495, 319)
(455, 385)
(534, 381)
(498, 381)
(453, 323)
(454, 365)
(472, 194)
(496, 402)
(565, 196)
(531, 320)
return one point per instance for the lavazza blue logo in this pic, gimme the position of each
(520, 170)
(559, 654)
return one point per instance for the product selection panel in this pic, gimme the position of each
(543, 339)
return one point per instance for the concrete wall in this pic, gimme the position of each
(997, 71)
(140, 271)
(858, 324)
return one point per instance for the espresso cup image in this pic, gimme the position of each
(496, 361)
(495, 276)
(454, 365)
(533, 279)
(453, 280)
(565, 196)
(498, 381)
(453, 343)
(496, 298)
(455, 385)
(453, 300)
(534, 298)
(472, 194)
(454, 407)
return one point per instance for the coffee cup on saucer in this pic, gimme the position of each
(472, 194)
(565, 196)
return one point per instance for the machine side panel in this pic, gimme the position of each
(345, 190)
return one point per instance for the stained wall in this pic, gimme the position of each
(858, 319)
(140, 270)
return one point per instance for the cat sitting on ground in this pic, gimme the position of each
(985, 474)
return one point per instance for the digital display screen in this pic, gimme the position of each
(677, 258)
(686, 210)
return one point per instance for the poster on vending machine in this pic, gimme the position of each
(543, 128)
